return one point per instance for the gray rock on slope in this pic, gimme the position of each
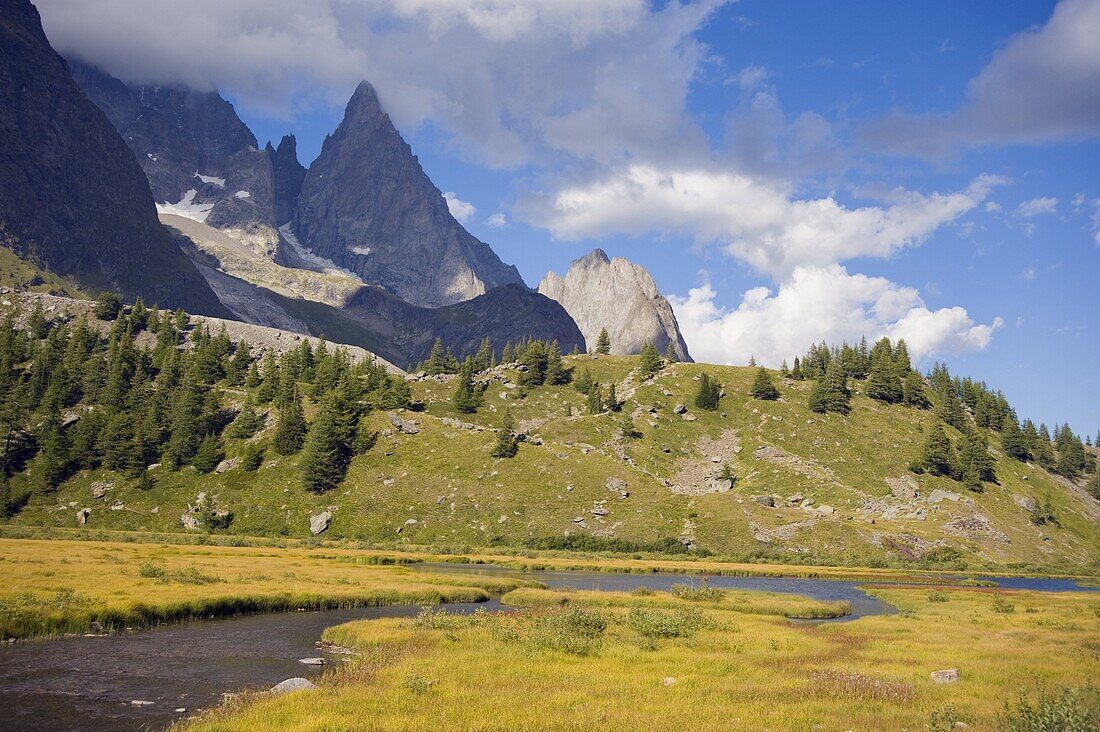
(72, 197)
(619, 295)
(367, 205)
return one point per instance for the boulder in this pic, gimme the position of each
(403, 425)
(189, 522)
(227, 465)
(1027, 503)
(314, 661)
(599, 511)
(903, 487)
(687, 417)
(294, 684)
(83, 515)
(947, 676)
(616, 485)
(141, 703)
(768, 501)
(679, 409)
(320, 522)
(826, 510)
(938, 496)
(100, 488)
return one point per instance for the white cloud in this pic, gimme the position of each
(1095, 220)
(1043, 85)
(496, 221)
(758, 223)
(992, 207)
(817, 303)
(1037, 207)
(460, 209)
(748, 77)
(529, 78)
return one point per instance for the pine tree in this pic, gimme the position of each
(365, 438)
(784, 370)
(883, 383)
(506, 354)
(974, 457)
(556, 373)
(291, 429)
(507, 444)
(483, 359)
(708, 394)
(670, 353)
(901, 358)
(913, 391)
(649, 363)
(627, 428)
(830, 392)
(1072, 459)
(763, 387)
(208, 455)
(1012, 439)
(54, 456)
(603, 343)
(325, 456)
(951, 411)
(1093, 486)
(584, 382)
(594, 402)
(107, 306)
(467, 397)
(534, 361)
(938, 456)
(247, 423)
(752, 361)
(612, 402)
(252, 457)
(796, 372)
(437, 359)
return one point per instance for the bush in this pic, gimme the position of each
(107, 306)
(1003, 606)
(660, 624)
(696, 593)
(1069, 710)
(937, 596)
(574, 630)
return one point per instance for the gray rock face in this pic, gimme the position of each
(289, 175)
(619, 295)
(367, 205)
(72, 197)
(193, 148)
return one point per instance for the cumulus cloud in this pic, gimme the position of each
(748, 77)
(822, 303)
(496, 221)
(758, 223)
(1043, 85)
(1037, 207)
(509, 79)
(460, 209)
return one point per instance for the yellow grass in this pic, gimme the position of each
(737, 671)
(51, 587)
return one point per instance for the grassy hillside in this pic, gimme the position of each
(441, 487)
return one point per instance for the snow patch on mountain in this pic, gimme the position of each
(187, 207)
(243, 194)
(309, 258)
(219, 182)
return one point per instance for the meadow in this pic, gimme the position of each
(575, 660)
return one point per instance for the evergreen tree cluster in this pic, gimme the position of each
(79, 395)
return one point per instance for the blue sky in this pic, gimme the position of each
(788, 170)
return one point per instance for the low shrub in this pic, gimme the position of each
(1068, 710)
(696, 593)
(651, 623)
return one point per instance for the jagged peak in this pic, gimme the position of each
(596, 256)
(289, 144)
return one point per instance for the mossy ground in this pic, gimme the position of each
(459, 498)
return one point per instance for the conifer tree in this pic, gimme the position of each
(325, 455)
(913, 391)
(830, 392)
(603, 343)
(238, 366)
(483, 359)
(763, 387)
(54, 456)
(752, 361)
(535, 360)
(556, 373)
(1093, 486)
(974, 457)
(506, 354)
(951, 411)
(437, 359)
(247, 423)
(365, 438)
(1012, 439)
(612, 401)
(938, 456)
(649, 363)
(467, 397)
(796, 372)
(107, 306)
(883, 383)
(252, 457)
(583, 383)
(670, 353)
(208, 455)
(594, 401)
(901, 358)
(627, 428)
(784, 370)
(507, 444)
(708, 393)
(1072, 459)
(291, 429)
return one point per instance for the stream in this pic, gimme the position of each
(90, 682)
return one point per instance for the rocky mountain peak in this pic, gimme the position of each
(620, 296)
(72, 197)
(368, 206)
(289, 175)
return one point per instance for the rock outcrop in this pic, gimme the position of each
(289, 175)
(618, 295)
(201, 160)
(73, 199)
(367, 205)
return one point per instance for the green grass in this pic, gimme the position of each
(460, 500)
